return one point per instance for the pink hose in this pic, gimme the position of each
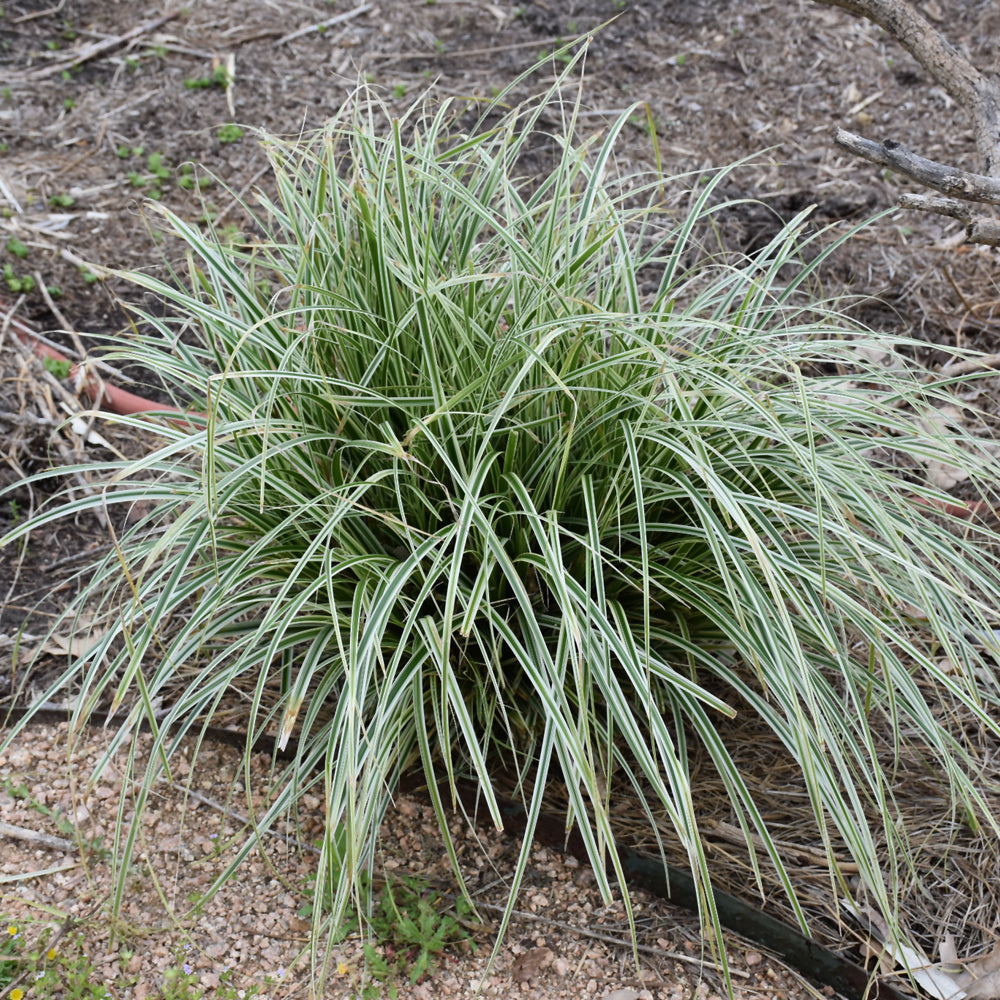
(103, 394)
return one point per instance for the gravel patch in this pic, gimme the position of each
(563, 942)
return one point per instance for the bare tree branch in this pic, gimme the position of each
(948, 180)
(989, 362)
(978, 228)
(983, 230)
(978, 94)
(940, 206)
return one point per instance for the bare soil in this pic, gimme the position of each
(87, 139)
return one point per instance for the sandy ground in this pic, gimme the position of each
(563, 942)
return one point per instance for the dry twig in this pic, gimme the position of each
(80, 56)
(391, 57)
(34, 837)
(323, 25)
(988, 362)
(948, 180)
(620, 942)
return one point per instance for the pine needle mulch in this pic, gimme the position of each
(951, 892)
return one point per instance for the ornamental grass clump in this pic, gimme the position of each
(491, 467)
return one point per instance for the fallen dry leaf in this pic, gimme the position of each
(528, 964)
(987, 988)
(61, 645)
(980, 977)
(944, 475)
(937, 424)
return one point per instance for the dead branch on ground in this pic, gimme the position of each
(77, 57)
(977, 93)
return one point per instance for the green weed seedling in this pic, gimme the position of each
(187, 180)
(155, 163)
(231, 234)
(16, 247)
(18, 284)
(157, 174)
(61, 201)
(207, 217)
(75, 979)
(408, 927)
(230, 133)
(349, 923)
(408, 924)
(20, 791)
(57, 967)
(160, 175)
(67, 972)
(36, 969)
(227, 991)
(9, 961)
(58, 367)
(219, 78)
(411, 923)
(181, 983)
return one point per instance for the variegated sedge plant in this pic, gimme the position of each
(505, 471)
